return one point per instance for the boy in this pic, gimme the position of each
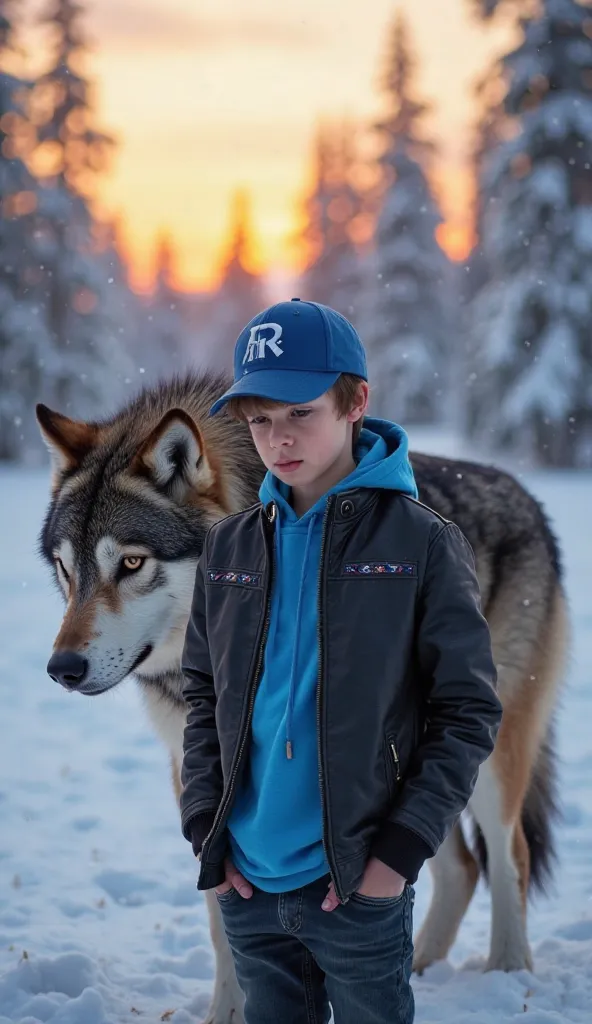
(340, 686)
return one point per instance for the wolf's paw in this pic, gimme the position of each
(231, 1016)
(227, 1007)
(426, 953)
(421, 964)
(510, 960)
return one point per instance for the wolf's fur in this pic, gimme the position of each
(150, 481)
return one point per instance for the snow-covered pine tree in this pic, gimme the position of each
(240, 294)
(88, 365)
(410, 330)
(17, 186)
(473, 273)
(163, 342)
(122, 305)
(23, 339)
(488, 133)
(315, 228)
(333, 270)
(531, 324)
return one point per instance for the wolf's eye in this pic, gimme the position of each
(60, 566)
(133, 562)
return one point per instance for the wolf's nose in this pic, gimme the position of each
(67, 668)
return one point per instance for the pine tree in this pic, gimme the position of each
(23, 338)
(88, 363)
(333, 271)
(409, 335)
(165, 335)
(489, 131)
(240, 294)
(315, 230)
(122, 305)
(74, 150)
(532, 376)
(16, 184)
(473, 273)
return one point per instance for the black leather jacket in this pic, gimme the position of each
(407, 707)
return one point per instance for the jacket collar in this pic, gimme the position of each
(348, 504)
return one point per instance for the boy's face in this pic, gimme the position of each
(300, 443)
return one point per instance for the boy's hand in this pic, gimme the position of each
(234, 880)
(378, 880)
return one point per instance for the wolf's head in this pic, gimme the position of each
(132, 500)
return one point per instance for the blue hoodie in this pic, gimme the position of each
(275, 825)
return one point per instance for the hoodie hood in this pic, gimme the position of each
(382, 460)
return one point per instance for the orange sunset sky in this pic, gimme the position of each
(206, 96)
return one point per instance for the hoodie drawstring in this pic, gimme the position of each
(292, 685)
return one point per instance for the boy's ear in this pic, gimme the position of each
(360, 403)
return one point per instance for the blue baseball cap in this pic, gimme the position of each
(293, 352)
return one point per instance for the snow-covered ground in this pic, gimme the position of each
(100, 920)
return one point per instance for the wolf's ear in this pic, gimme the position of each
(68, 441)
(175, 457)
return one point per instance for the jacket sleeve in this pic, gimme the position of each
(463, 710)
(201, 772)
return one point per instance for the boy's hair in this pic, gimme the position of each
(344, 392)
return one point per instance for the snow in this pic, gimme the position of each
(100, 921)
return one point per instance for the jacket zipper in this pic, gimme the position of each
(321, 747)
(254, 686)
(397, 762)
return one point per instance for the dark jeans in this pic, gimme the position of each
(292, 958)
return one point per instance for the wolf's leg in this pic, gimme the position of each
(508, 862)
(227, 1000)
(454, 877)
(529, 626)
(529, 693)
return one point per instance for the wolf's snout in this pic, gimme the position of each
(68, 668)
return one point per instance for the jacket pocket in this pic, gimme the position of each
(392, 764)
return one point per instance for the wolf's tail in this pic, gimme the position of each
(540, 812)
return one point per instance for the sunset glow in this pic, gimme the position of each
(206, 97)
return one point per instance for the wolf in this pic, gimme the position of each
(132, 498)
